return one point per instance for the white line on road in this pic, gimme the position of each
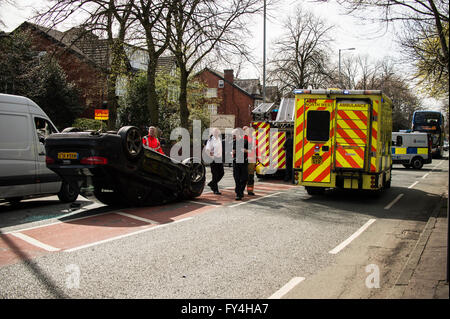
(126, 235)
(142, 219)
(255, 199)
(286, 288)
(424, 176)
(34, 242)
(352, 237)
(203, 203)
(413, 184)
(394, 201)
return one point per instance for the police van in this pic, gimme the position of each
(411, 149)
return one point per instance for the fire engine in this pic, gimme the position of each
(342, 139)
(270, 123)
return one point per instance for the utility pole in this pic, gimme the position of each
(264, 55)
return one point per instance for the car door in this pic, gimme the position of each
(317, 150)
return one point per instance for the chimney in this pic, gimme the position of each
(228, 75)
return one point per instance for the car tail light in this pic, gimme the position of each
(49, 160)
(94, 160)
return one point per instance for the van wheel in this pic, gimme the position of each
(68, 193)
(131, 141)
(417, 162)
(315, 190)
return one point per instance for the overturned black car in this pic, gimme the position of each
(120, 170)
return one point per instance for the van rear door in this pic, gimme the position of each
(318, 137)
(351, 134)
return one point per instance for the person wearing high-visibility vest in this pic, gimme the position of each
(251, 161)
(151, 141)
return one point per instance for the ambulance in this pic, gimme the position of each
(342, 139)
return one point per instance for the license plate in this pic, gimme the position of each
(65, 156)
(316, 159)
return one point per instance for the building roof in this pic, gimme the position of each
(88, 46)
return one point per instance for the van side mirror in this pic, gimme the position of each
(399, 141)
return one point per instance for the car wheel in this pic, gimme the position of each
(417, 162)
(68, 193)
(131, 141)
(196, 179)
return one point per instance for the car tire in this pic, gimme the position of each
(195, 180)
(68, 193)
(131, 141)
(417, 162)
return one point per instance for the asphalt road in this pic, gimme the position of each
(282, 243)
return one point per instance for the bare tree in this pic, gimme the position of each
(301, 59)
(154, 18)
(425, 32)
(198, 28)
(102, 17)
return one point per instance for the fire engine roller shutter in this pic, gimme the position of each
(351, 133)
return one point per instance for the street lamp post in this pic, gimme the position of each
(264, 55)
(340, 79)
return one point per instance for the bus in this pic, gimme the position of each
(431, 122)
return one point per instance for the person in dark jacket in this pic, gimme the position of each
(240, 163)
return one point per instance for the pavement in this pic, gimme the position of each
(425, 274)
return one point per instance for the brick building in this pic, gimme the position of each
(238, 97)
(87, 71)
(85, 58)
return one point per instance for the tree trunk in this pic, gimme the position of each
(152, 103)
(184, 111)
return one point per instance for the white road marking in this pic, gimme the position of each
(255, 199)
(142, 219)
(413, 184)
(424, 176)
(394, 201)
(286, 288)
(352, 237)
(59, 221)
(202, 203)
(34, 242)
(126, 235)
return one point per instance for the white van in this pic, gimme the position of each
(411, 149)
(23, 171)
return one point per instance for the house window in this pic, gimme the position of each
(211, 92)
(212, 108)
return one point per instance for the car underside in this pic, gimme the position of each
(120, 170)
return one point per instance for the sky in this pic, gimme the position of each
(349, 32)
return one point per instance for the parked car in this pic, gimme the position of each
(23, 172)
(120, 170)
(445, 145)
